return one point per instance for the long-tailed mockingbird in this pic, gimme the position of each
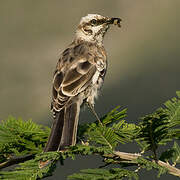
(78, 76)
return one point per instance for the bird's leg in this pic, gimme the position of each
(91, 107)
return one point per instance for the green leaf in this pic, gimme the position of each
(172, 154)
(103, 136)
(104, 174)
(114, 116)
(172, 108)
(20, 137)
(154, 130)
(30, 169)
(149, 165)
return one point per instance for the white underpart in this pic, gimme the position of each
(95, 88)
(95, 77)
(100, 65)
(80, 34)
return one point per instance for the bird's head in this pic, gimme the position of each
(93, 27)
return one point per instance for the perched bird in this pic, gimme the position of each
(79, 75)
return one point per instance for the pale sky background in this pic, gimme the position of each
(144, 56)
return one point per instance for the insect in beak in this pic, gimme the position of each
(115, 21)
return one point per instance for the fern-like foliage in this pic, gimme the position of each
(172, 154)
(149, 165)
(18, 138)
(29, 170)
(172, 109)
(113, 116)
(114, 130)
(154, 130)
(161, 126)
(108, 174)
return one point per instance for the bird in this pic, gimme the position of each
(78, 78)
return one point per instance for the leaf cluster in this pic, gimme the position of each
(109, 174)
(111, 132)
(160, 127)
(22, 138)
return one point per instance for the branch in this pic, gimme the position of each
(130, 156)
(15, 160)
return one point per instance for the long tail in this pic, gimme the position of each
(64, 128)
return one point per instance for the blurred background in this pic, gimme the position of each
(144, 59)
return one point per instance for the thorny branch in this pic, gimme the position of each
(124, 157)
(130, 156)
(15, 160)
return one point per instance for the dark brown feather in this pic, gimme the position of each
(70, 77)
(76, 86)
(71, 85)
(56, 133)
(70, 125)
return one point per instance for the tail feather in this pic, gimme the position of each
(70, 125)
(64, 128)
(56, 133)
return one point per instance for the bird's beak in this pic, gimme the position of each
(115, 21)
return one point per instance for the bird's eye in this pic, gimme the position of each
(94, 22)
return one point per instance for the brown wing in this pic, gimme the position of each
(71, 77)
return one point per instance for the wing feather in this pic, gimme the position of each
(72, 77)
(79, 74)
(75, 87)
